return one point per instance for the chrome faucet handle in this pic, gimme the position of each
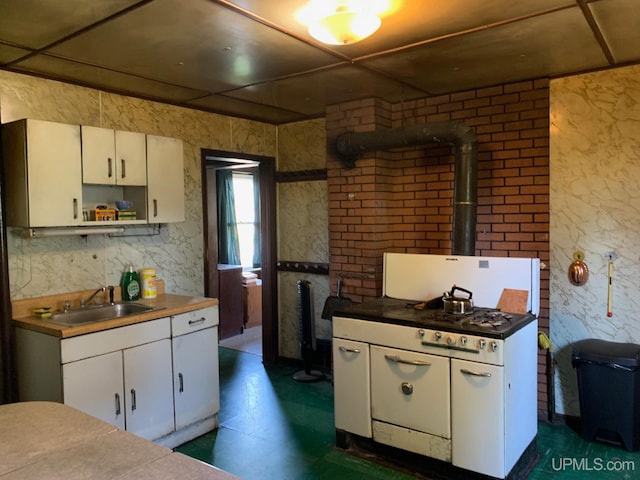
(85, 302)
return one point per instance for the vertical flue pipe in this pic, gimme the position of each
(350, 145)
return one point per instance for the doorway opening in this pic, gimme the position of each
(263, 170)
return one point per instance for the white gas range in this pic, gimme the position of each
(459, 388)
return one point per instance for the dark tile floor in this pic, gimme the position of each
(272, 427)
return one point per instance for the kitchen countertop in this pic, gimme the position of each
(51, 440)
(164, 305)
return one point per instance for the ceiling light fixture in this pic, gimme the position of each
(344, 27)
(341, 22)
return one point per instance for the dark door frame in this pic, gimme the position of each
(210, 161)
(8, 377)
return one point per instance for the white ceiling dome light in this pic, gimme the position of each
(342, 22)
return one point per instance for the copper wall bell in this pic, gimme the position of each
(578, 270)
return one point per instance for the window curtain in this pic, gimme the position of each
(228, 244)
(256, 231)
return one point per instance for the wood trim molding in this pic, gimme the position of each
(303, 267)
(301, 176)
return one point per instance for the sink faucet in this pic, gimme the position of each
(84, 303)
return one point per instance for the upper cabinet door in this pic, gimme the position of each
(113, 157)
(55, 194)
(165, 179)
(98, 156)
(43, 174)
(131, 158)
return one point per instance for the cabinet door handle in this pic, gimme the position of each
(155, 207)
(118, 404)
(133, 399)
(109, 168)
(397, 359)
(181, 383)
(195, 322)
(350, 350)
(475, 374)
(124, 171)
(75, 208)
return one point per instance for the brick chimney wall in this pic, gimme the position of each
(401, 200)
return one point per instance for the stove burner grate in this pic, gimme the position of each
(486, 318)
(490, 319)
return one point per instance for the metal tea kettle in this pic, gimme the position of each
(453, 304)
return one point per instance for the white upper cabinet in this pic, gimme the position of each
(54, 170)
(113, 157)
(43, 173)
(165, 179)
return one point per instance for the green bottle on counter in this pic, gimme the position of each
(130, 285)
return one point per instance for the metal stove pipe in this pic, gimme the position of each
(465, 194)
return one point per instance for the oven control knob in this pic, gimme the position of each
(421, 333)
(481, 343)
(451, 341)
(437, 336)
(494, 346)
(463, 341)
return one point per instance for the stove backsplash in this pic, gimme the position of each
(424, 277)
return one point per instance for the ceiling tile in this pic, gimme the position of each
(101, 78)
(239, 108)
(37, 23)
(310, 93)
(9, 54)
(194, 43)
(618, 19)
(504, 54)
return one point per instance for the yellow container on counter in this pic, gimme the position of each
(148, 283)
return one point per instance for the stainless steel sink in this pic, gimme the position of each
(97, 313)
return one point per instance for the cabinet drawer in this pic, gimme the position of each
(193, 321)
(92, 344)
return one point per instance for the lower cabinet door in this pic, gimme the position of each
(94, 386)
(477, 417)
(195, 376)
(148, 389)
(351, 380)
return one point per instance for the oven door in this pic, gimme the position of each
(411, 390)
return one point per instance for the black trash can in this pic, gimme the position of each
(609, 390)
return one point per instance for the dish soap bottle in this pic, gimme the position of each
(130, 285)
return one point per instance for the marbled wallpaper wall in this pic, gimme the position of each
(303, 228)
(595, 208)
(56, 265)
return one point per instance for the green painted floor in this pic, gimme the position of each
(274, 428)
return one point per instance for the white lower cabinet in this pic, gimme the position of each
(95, 386)
(148, 390)
(352, 384)
(157, 379)
(195, 366)
(478, 417)
(122, 389)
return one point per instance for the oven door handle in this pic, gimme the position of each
(475, 374)
(350, 350)
(397, 359)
